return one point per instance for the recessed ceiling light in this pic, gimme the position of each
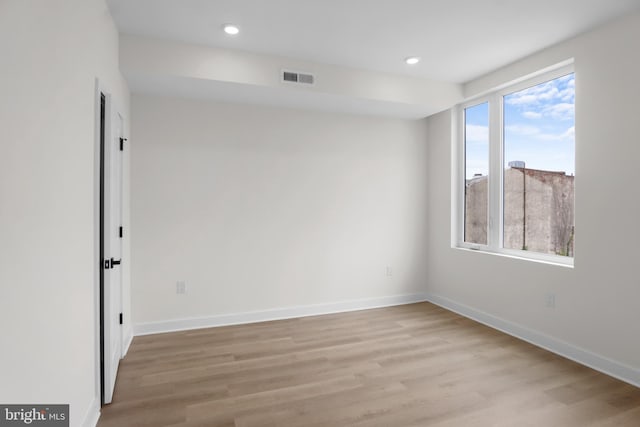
(231, 29)
(412, 60)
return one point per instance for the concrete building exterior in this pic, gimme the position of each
(476, 210)
(538, 210)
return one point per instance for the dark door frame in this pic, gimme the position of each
(103, 115)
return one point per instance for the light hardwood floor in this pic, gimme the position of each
(411, 365)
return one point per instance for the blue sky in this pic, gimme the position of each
(538, 129)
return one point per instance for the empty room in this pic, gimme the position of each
(309, 213)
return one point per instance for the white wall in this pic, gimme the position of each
(52, 53)
(261, 208)
(597, 312)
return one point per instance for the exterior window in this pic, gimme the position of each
(519, 169)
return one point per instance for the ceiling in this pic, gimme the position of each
(458, 40)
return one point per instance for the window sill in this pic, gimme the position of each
(554, 260)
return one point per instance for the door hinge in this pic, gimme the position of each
(120, 232)
(121, 319)
(122, 141)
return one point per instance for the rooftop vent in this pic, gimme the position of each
(296, 77)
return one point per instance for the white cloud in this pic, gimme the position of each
(477, 133)
(549, 94)
(568, 94)
(532, 115)
(522, 99)
(524, 130)
(570, 133)
(560, 111)
(551, 99)
(537, 134)
(534, 95)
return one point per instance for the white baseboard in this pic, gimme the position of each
(127, 342)
(93, 414)
(273, 314)
(599, 363)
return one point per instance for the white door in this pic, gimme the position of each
(113, 253)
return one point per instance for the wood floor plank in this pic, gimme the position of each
(411, 365)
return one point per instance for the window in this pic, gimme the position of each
(476, 165)
(518, 169)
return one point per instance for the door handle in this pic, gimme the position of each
(115, 262)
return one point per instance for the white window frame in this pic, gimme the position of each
(495, 219)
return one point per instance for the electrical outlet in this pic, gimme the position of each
(389, 271)
(550, 300)
(181, 287)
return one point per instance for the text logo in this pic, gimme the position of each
(34, 415)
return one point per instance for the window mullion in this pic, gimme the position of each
(500, 164)
(495, 172)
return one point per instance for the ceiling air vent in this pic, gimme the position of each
(296, 77)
